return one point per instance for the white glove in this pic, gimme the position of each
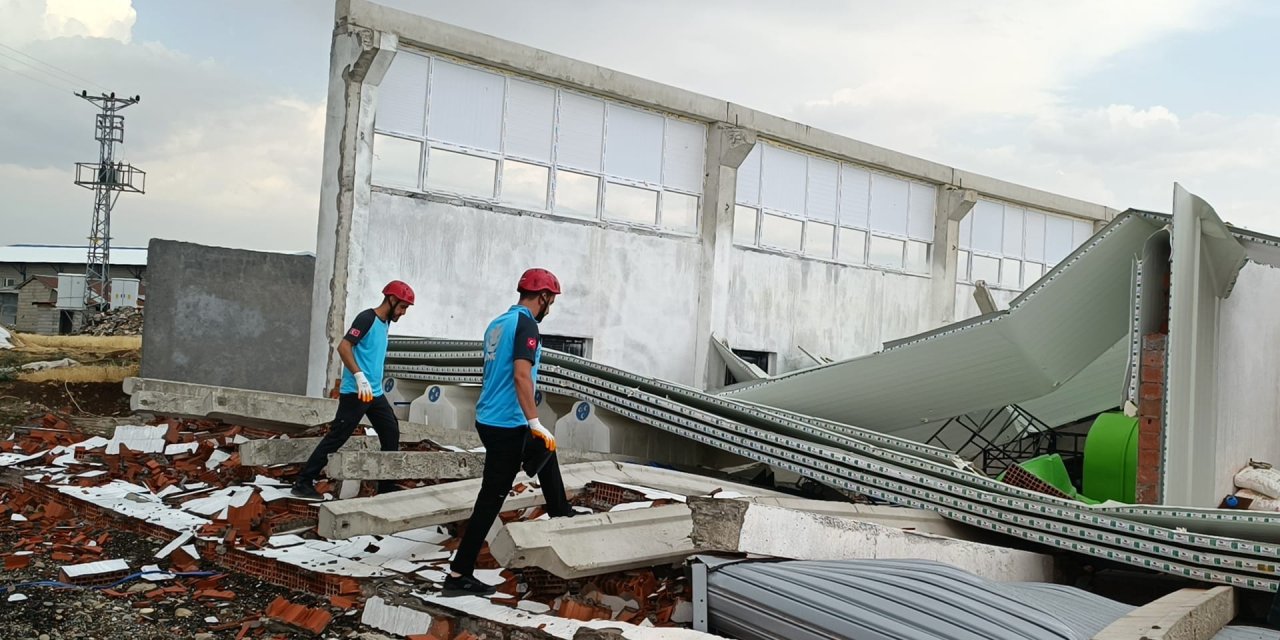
(540, 432)
(363, 389)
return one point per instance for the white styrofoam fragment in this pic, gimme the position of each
(533, 606)
(433, 535)
(285, 540)
(401, 621)
(173, 545)
(190, 549)
(631, 506)
(17, 597)
(95, 568)
(181, 448)
(216, 458)
(153, 573)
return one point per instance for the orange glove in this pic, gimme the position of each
(540, 432)
(363, 389)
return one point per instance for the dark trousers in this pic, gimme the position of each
(350, 411)
(505, 449)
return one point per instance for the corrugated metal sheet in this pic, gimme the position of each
(1050, 334)
(896, 599)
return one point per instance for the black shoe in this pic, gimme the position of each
(305, 490)
(466, 586)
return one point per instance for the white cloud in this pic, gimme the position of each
(30, 20)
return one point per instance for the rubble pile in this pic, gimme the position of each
(180, 483)
(122, 321)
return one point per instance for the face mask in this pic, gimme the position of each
(546, 308)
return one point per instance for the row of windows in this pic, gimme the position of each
(448, 127)
(1012, 247)
(806, 204)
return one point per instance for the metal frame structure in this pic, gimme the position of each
(107, 178)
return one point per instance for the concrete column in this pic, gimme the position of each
(727, 147)
(953, 204)
(357, 62)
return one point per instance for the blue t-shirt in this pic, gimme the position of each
(368, 338)
(511, 336)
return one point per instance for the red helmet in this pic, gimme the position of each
(400, 290)
(537, 281)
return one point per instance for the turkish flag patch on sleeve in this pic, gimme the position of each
(533, 343)
(355, 333)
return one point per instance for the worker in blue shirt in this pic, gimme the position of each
(363, 351)
(507, 421)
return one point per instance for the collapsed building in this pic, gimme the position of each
(872, 370)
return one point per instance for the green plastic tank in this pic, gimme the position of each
(1111, 459)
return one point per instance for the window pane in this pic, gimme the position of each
(395, 161)
(1012, 243)
(821, 201)
(984, 268)
(924, 199)
(460, 173)
(1034, 234)
(1031, 272)
(633, 144)
(744, 225)
(853, 246)
(466, 106)
(1082, 230)
(630, 204)
(966, 231)
(988, 226)
(524, 185)
(679, 212)
(781, 233)
(531, 113)
(402, 96)
(962, 266)
(683, 154)
(580, 131)
(783, 180)
(889, 204)
(575, 194)
(917, 260)
(886, 252)
(855, 196)
(1010, 273)
(818, 239)
(1057, 238)
(748, 189)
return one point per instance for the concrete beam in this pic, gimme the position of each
(372, 464)
(600, 543)
(918, 520)
(264, 453)
(737, 526)
(950, 207)
(1187, 614)
(451, 502)
(281, 411)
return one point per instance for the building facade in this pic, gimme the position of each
(454, 160)
(21, 262)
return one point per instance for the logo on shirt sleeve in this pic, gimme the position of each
(355, 333)
(533, 343)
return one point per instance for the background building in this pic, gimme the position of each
(19, 263)
(455, 160)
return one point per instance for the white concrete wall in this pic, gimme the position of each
(1248, 406)
(634, 295)
(779, 303)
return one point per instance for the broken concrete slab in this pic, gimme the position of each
(921, 520)
(451, 502)
(266, 452)
(737, 526)
(600, 543)
(372, 464)
(1186, 614)
(281, 411)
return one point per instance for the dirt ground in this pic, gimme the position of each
(88, 394)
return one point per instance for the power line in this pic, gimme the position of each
(35, 79)
(26, 66)
(54, 67)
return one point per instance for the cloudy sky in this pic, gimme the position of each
(1109, 102)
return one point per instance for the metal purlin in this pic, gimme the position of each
(976, 504)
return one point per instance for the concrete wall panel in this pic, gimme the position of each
(634, 295)
(1248, 408)
(227, 317)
